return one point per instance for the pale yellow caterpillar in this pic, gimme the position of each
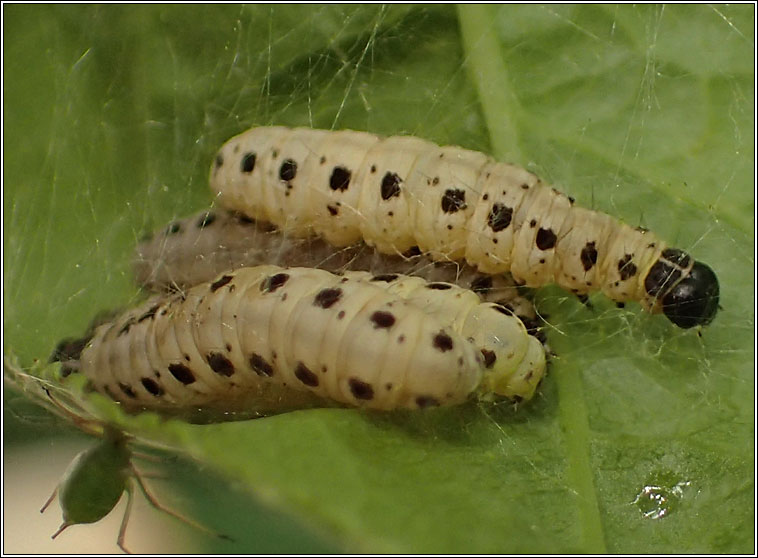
(200, 247)
(403, 193)
(380, 342)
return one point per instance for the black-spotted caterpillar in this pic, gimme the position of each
(198, 248)
(381, 342)
(403, 193)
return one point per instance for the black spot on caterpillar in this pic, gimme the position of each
(178, 261)
(338, 337)
(454, 204)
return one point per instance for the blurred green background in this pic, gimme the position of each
(112, 116)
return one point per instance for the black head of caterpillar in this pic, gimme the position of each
(688, 290)
(67, 352)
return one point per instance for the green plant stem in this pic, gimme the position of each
(573, 417)
(489, 73)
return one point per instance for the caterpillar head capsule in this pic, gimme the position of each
(694, 300)
(688, 290)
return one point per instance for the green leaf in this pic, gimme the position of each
(642, 437)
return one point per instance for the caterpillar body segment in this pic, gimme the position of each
(335, 217)
(391, 210)
(381, 342)
(525, 378)
(496, 220)
(399, 194)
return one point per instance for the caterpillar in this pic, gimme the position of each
(199, 247)
(375, 341)
(403, 193)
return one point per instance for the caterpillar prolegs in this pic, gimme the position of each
(381, 342)
(403, 193)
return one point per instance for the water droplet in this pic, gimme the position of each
(660, 496)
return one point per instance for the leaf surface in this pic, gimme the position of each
(642, 437)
